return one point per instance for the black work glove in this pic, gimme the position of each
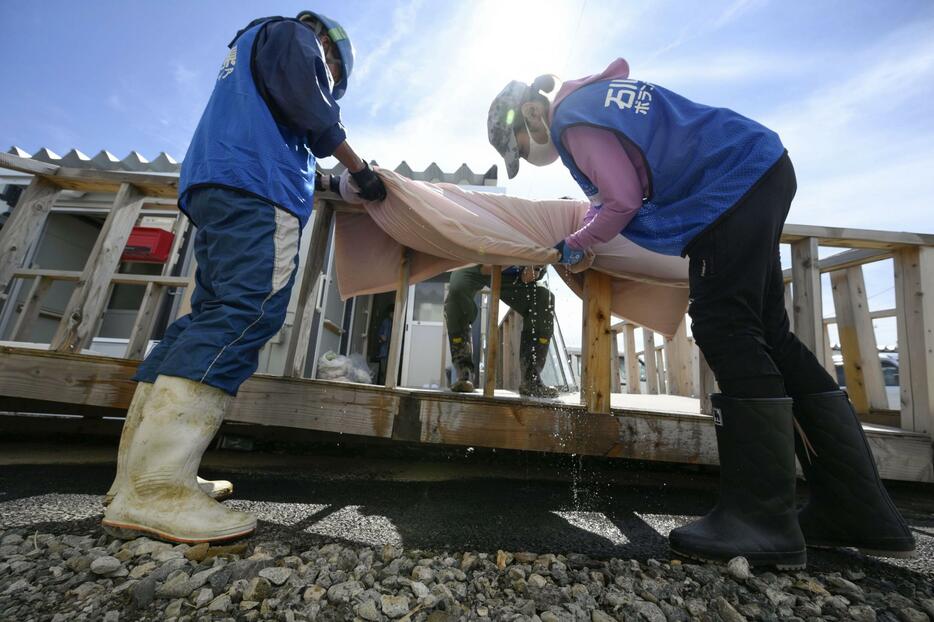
(370, 185)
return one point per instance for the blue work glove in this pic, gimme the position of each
(569, 256)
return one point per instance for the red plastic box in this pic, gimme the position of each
(148, 245)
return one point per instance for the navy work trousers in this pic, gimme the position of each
(738, 298)
(247, 254)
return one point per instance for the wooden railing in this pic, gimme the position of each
(86, 306)
(675, 367)
(913, 256)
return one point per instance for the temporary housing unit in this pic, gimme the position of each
(159, 244)
(71, 311)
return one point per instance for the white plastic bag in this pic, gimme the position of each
(360, 371)
(333, 366)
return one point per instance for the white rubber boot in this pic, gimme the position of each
(161, 497)
(133, 418)
(218, 489)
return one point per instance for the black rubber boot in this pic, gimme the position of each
(533, 354)
(755, 516)
(462, 358)
(849, 506)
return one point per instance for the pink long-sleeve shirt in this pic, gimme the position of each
(615, 167)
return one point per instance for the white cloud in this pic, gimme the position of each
(860, 142)
(735, 66)
(704, 22)
(403, 19)
(485, 44)
(115, 102)
(735, 10)
(185, 76)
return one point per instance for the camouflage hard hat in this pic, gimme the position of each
(502, 121)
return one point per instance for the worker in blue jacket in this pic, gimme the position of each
(247, 184)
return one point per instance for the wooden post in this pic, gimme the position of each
(680, 363)
(444, 380)
(155, 293)
(398, 323)
(616, 382)
(695, 370)
(914, 269)
(596, 333)
(145, 318)
(511, 332)
(30, 311)
(790, 307)
(805, 279)
(184, 307)
(492, 331)
(297, 350)
(861, 366)
(24, 226)
(829, 365)
(651, 367)
(708, 384)
(87, 302)
(660, 368)
(179, 230)
(632, 360)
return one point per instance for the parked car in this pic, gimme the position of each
(889, 362)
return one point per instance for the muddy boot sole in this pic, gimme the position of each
(130, 531)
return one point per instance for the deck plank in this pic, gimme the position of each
(644, 427)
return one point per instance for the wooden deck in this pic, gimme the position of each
(64, 377)
(643, 427)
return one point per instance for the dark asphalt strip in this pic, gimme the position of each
(592, 516)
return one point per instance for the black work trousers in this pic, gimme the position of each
(737, 298)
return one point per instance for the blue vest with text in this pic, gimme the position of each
(238, 144)
(701, 160)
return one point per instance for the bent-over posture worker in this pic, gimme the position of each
(520, 290)
(682, 178)
(247, 184)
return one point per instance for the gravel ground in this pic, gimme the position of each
(349, 544)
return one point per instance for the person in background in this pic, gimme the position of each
(383, 336)
(247, 184)
(523, 292)
(682, 178)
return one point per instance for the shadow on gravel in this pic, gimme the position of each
(593, 517)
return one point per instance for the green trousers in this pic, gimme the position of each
(534, 302)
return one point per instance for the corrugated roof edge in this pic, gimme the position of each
(164, 163)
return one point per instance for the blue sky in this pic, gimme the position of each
(847, 84)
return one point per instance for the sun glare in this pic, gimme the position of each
(525, 38)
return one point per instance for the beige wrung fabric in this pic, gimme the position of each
(446, 227)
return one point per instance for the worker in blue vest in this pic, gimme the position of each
(247, 184)
(682, 178)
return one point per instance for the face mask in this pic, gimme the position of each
(541, 154)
